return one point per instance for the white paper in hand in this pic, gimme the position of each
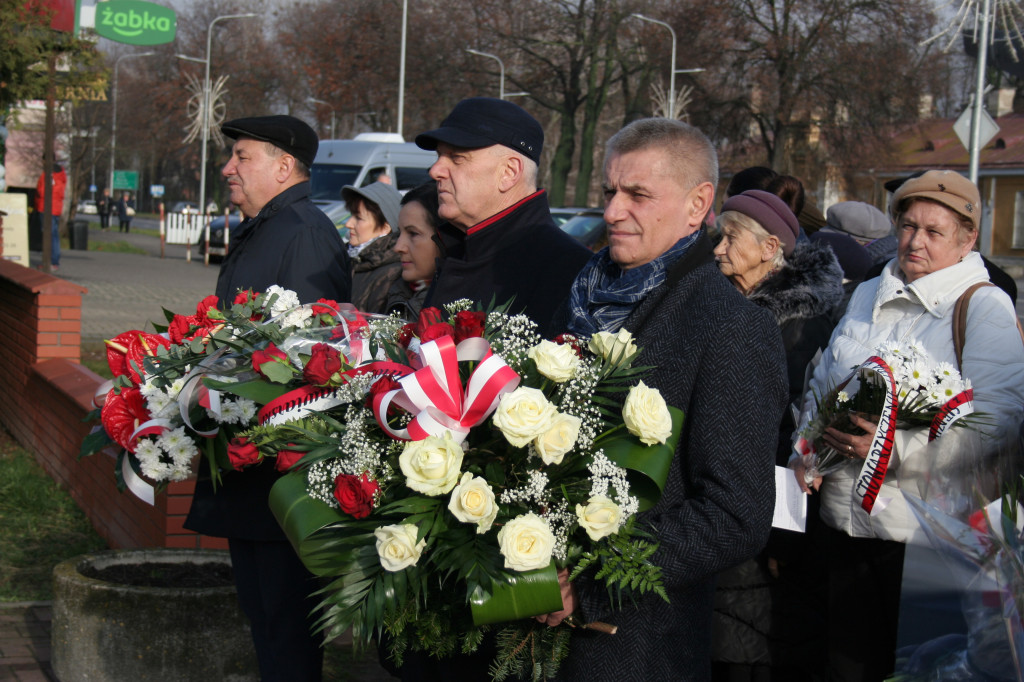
(790, 502)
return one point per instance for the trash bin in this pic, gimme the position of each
(79, 235)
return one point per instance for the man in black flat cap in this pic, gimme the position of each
(500, 241)
(285, 240)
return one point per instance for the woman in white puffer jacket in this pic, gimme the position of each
(936, 219)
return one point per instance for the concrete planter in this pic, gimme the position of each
(107, 631)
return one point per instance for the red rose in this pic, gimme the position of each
(244, 297)
(469, 324)
(381, 386)
(563, 339)
(271, 354)
(436, 331)
(428, 316)
(242, 453)
(355, 494)
(324, 362)
(405, 335)
(287, 458)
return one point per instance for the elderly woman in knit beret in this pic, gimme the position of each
(799, 284)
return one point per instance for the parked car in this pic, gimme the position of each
(561, 215)
(588, 228)
(87, 206)
(185, 207)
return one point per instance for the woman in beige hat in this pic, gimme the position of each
(937, 217)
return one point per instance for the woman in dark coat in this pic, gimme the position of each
(417, 250)
(373, 231)
(799, 285)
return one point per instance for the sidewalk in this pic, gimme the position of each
(25, 642)
(128, 290)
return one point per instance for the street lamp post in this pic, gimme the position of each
(113, 115)
(672, 70)
(501, 66)
(314, 100)
(206, 100)
(401, 67)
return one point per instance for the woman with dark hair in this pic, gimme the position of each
(372, 232)
(417, 251)
(755, 177)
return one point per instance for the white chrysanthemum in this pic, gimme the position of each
(172, 439)
(149, 389)
(946, 370)
(179, 472)
(157, 404)
(842, 398)
(918, 373)
(147, 451)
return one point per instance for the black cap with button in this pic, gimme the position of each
(284, 132)
(484, 121)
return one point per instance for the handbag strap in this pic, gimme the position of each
(960, 322)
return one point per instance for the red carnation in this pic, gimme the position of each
(245, 297)
(355, 494)
(286, 459)
(323, 364)
(469, 324)
(270, 354)
(203, 310)
(325, 306)
(180, 328)
(242, 453)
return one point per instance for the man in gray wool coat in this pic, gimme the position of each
(717, 357)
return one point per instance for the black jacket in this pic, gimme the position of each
(374, 270)
(518, 253)
(290, 243)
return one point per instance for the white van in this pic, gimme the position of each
(360, 162)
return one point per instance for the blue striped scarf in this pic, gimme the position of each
(604, 295)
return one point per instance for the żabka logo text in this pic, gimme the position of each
(136, 22)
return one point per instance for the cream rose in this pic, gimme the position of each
(473, 502)
(615, 348)
(526, 543)
(397, 546)
(600, 517)
(559, 439)
(431, 466)
(524, 414)
(646, 415)
(556, 361)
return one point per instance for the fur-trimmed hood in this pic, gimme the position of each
(810, 284)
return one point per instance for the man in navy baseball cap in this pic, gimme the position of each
(500, 242)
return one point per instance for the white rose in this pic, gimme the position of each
(615, 348)
(397, 546)
(431, 466)
(473, 502)
(556, 361)
(524, 414)
(600, 517)
(526, 543)
(646, 415)
(559, 439)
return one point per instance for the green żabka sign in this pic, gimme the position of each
(136, 22)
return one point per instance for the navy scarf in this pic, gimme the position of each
(604, 295)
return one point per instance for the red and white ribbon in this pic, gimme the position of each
(958, 406)
(435, 396)
(872, 473)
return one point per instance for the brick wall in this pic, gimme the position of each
(45, 394)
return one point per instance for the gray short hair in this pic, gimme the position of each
(689, 150)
